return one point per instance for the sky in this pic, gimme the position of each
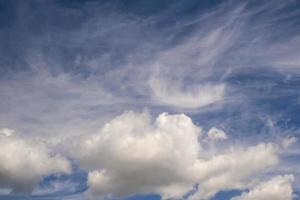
(149, 100)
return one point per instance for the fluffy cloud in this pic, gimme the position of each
(234, 168)
(278, 188)
(24, 162)
(134, 154)
(130, 154)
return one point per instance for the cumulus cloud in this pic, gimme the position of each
(133, 154)
(24, 162)
(278, 188)
(234, 168)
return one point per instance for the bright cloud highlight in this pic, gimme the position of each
(24, 162)
(133, 154)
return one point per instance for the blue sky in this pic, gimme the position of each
(149, 100)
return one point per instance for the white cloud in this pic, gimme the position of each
(278, 188)
(288, 141)
(66, 186)
(133, 154)
(234, 168)
(174, 94)
(24, 162)
(216, 134)
(130, 154)
(49, 106)
(6, 132)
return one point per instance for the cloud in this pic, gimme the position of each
(73, 67)
(6, 132)
(234, 168)
(44, 105)
(185, 66)
(57, 186)
(288, 141)
(23, 162)
(278, 188)
(216, 134)
(132, 154)
(173, 94)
